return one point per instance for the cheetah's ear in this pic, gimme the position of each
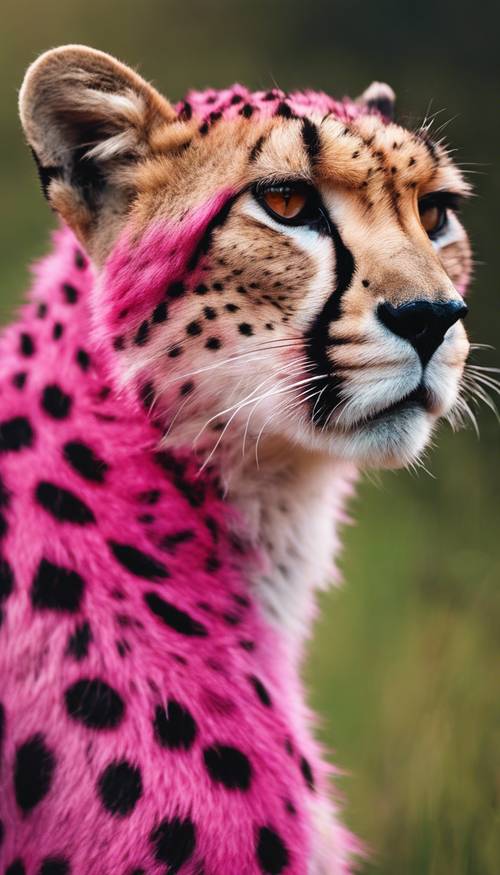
(87, 118)
(380, 97)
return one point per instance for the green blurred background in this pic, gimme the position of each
(404, 668)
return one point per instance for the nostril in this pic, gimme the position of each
(422, 323)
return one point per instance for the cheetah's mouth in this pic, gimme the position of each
(419, 398)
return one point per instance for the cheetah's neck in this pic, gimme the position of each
(290, 508)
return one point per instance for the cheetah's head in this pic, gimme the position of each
(270, 265)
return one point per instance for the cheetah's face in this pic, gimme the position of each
(282, 273)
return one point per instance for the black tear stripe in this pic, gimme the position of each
(311, 140)
(318, 340)
(204, 243)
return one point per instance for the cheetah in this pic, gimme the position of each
(250, 298)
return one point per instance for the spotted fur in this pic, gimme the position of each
(185, 398)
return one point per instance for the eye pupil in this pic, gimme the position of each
(285, 202)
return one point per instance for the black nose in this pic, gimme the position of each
(422, 323)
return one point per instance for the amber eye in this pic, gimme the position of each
(433, 211)
(293, 203)
(285, 202)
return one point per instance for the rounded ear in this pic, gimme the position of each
(380, 97)
(86, 116)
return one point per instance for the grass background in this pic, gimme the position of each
(404, 665)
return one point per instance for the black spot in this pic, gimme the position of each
(147, 395)
(212, 563)
(174, 352)
(231, 308)
(58, 330)
(120, 787)
(174, 842)
(261, 691)
(311, 140)
(151, 496)
(19, 379)
(15, 434)
(201, 289)
(78, 642)
(80, 262)
(174, 726)
(271, 852)
(176, 289)
(186, 111)
(193, 328)
(6, 580)
(94, 703)
(307, 772)
(365, 283)
(26, 345)
(213, 343)
(186, 388)
(55, 402)
(57, 589)
(245, 328)
(5, 494)
(54, 866)
(33, 772)
(63, 504)
(228, 766)
(142, 333)
(70, 293)
(138, 563)
(3, 526)
(83, 459)
(203, 129)
(290, 807)
(83, 359)
(284, 110)
(171, 542)
(160, 313)
(173, 617)
(210, 313)
(231, 619)
(212, 527)
(246, 111)
(218, 287)
(42, 310)
(289, 747)
(119, 343)
(16, 868)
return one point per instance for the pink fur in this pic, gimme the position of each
(142, 503)
(230, 102)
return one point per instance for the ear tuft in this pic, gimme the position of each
(85, 114)
(381, 98)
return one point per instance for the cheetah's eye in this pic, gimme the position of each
(433, 211)
(294, 203)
